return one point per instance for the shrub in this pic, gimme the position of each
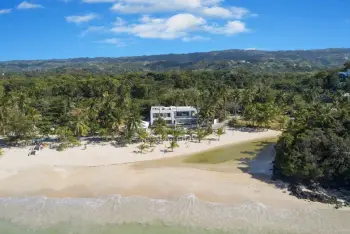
(62, 147)
(233, 123)
(314, 155)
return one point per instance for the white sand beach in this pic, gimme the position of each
(103, 171)
(107, 154)
(97, 171)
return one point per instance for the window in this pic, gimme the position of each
(182, 114)
(166, 115)
(162, 115)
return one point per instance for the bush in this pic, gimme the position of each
(233, 123)
(62, 147)
(1, 152)
(318, 155)
(73, 141)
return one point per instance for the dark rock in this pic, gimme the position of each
(314, 193)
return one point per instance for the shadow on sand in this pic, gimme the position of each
(261, 168)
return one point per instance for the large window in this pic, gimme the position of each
(163, 115)
(183, 114)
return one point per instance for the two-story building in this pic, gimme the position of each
(175, 115)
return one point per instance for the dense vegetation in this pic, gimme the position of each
(310, 107)
(251, 60)
(316, 145)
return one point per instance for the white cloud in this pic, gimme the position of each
(211, 8)
(195, 38)
(98, 1)
(78, 19)
(27, 5)
(177, 26)
(113, 41)
(93, 29)
(232, 12)
(231, 28)
(251, 49)
(5, 11)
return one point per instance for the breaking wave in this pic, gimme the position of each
(185, 212)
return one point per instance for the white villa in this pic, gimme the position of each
(174, 115)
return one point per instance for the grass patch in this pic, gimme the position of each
(223, 159)
(245, 150)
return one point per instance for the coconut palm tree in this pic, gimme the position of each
(173, 144)
(143, 134)
(160, 128)
(132, 121)
(219, 132)
(201, 134)
(142, 147)
(79, 122)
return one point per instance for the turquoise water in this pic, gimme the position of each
(136, 215)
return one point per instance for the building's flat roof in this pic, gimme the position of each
(171, 107)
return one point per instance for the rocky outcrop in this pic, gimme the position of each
(314, 192)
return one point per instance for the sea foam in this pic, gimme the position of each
(186, 211)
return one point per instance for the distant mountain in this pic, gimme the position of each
(256, 60)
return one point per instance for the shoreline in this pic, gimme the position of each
(107, 154)
(145, 191)
(142, 176)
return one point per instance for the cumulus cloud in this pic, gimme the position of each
(230, 28)
(113, 41)
(78, 19)
(210, 8)
(177, 26)
(27, 5)
(5, 11)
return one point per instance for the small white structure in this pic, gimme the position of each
(174, 115)
(144, 124)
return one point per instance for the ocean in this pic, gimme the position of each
(135, 215)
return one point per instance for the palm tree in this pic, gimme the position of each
(176, 132)
(190, 132)
(173, 144)
(151, 141)
(142, 147)
(219, 132)
(63, 133)
(79, 123)
(161, 129)
(143, 135)
(201, 134)
(133, 121)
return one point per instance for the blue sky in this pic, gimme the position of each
(45, 29)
